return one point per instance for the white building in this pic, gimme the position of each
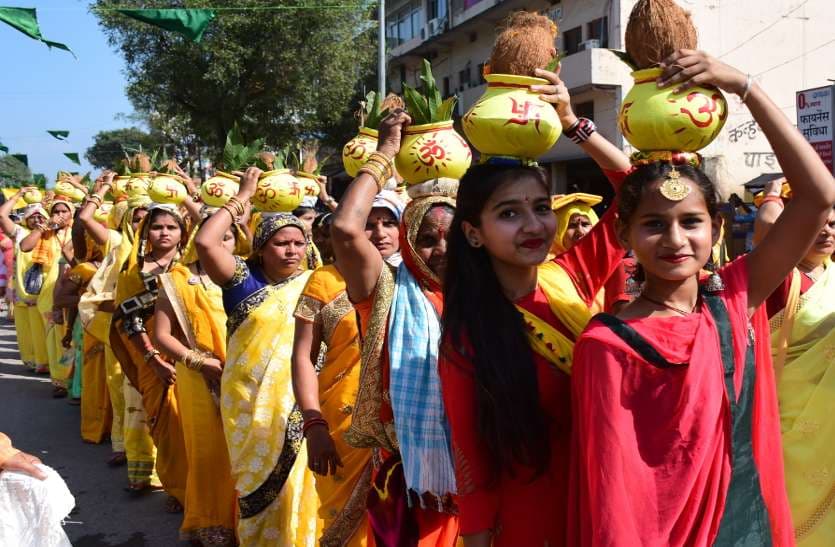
(787, 45)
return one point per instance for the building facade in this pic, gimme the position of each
(786, 45)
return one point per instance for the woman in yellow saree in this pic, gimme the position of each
(191, 330)
(155, 250)
(28, 324)
(802, 321)
(51, 252)
(325, 316)
(263, 427)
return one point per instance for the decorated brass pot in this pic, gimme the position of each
(102, 214)
(654, 118)
(67, 190)
(217, 190)
(32, 196)
(167, 189)
(119, 188)
(137, 185)
(510, 120)
(278, 191)
(310, 184)
(432, 151)
(356, 151)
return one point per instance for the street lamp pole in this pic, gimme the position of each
(381, 50)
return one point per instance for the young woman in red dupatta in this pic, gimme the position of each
(676, 429)
(510, 323)
(399, 410)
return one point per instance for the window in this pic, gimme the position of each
(405, 24)
(446, 87)
(599, 30)
(436, 9)
(480, 75)
(571, 40)
(584, 110)
(464, 79)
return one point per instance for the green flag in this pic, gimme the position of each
(4, 148)
(191, 23)
(26, 21)
(58, 134)
(73, 157)
(22, 158)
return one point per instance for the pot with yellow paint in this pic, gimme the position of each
(67, 190)
(218, 189)
(653, 118)
(119, 188)
(430, 151)
(310, 184)
(137, 185)
(356, 151)
(167, 189)
(33, 196)
(510, 120)
(278, 191)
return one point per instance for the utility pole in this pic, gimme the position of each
(381, 50)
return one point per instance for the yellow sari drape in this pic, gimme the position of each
(59, 370)
(805, 390)
(96, 413)
(277, 494)
(96, 322)
(569, 308)
(210, 500)
(158, 400)
(27, 336)
(324, 302)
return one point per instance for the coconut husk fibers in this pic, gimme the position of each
(525, 42)
(656, 29)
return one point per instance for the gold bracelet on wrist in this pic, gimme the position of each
(375, 175)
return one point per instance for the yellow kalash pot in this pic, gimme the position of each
(510, 120)
(356, 151)
(278, 191)
(431, 151)
(167, 189)
(653, 118)
(120, 186)
(217, 189)
(33, 196)
(137, 184)
(310, 186)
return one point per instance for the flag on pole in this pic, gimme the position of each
(26, 21)
(191, 23)
(4, 148)
(73, 157)
(58, 134)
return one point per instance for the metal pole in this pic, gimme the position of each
(381, 50)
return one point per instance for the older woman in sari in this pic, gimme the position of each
(802, 320)
(155, 251)
(325, 316)
(399, 409)
(51, 252)
(263, 426)
(190, 328)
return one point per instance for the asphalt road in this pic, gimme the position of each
(105, 514)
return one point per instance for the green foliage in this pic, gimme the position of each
(13, 172)
(372, 113)
(237, 154)
(426, 105)
(282, 75)
(111, 146)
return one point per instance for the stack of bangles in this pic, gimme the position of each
(772, 198)
(96, 199)
(194, 360)
(308, 423)
(235, 207)
(379, 167)
(581, 130)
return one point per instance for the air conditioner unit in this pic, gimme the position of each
(434, 27)
(590, 44)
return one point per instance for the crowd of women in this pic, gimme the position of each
(445, 376)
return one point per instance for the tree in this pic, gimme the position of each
(280, 74)
(13, 172)
(110, 146)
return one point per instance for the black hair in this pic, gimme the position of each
(637, 182)
(481, 324)
(299, 211)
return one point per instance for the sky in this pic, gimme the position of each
(46, 88)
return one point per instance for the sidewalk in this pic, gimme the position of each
(105, 515)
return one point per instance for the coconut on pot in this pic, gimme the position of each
(656, 29)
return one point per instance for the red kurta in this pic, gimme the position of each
(651, 455)
(519, 510)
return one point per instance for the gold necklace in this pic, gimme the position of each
(669, 307)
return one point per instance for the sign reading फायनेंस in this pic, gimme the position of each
(815, 108)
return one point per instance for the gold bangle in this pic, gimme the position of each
(385, 167)
(375, 175)
(229, 210)
(238, 205)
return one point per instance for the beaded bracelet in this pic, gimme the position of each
(196, 197)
